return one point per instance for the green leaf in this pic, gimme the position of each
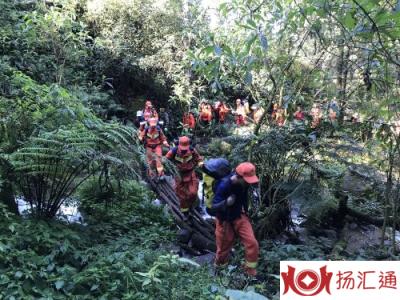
(349, 21)
(142, 274)
(245, 26)
(250, 42)
(59, 284)
(382, 18)
(369, 5)
(146, 282)
(208, 50)
(18, 274)
(224, 9)
(12, 228)
(274, 276)
(248, 78)
(51, 267)
(227, 50)
(263, 41)
(188, 261)
(252, 24)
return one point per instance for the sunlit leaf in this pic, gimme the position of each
(263, 41)
(349, 21)
(217, 50)
(248, 78)
(59, 284)
(252, 24)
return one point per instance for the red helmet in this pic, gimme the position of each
(184, 143)
(248, 171)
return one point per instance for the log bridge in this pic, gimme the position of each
(196, 235)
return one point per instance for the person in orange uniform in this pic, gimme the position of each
(205, 112)
(188, 120)
(258, 112)
(230, 205)
(149, 111)
(316, 115)
(153, 138)
(240, 113)
(186, 158)
(280, 117)
(222, 110)
(299, 115)
(275, 108)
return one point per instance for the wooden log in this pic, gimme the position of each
(202, 232)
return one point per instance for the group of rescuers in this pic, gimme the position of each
(244, 114)
(219, 111)
(224, 189)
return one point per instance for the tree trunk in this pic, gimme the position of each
(388, 190)
(6, 188)
(7, 197)
(343, 71)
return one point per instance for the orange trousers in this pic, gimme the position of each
(225, 233)
(186, 187)
(153, 157)
(221, 116)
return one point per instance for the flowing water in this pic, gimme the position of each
(69, 210)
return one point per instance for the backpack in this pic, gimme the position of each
(214, 169)
(175, 151)
(146, 130)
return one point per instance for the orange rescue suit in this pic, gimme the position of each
(186, 184)
(153, 139)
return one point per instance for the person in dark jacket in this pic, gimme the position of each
(230, 206)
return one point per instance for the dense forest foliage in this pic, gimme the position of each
(73, 73)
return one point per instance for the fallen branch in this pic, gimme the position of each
(201, 231)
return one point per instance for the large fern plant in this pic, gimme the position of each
(50, 167)
(280, 156)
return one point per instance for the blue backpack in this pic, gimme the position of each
(214, 169)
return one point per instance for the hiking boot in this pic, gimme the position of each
(186, 216)
(219, 268)
(251, 272)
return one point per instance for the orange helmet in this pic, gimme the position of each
(248, 171)
(153, 122)
(184, 143)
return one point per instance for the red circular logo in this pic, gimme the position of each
(307, 280)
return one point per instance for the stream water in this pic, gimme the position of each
(69, 210)
(358, 237)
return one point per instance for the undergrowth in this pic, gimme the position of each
(110, 258)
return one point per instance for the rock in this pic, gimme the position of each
(355, 184)
(353, 226)
(184, 236)
(157, 202)
(330, 234)
(206, 259)
(361, 237)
